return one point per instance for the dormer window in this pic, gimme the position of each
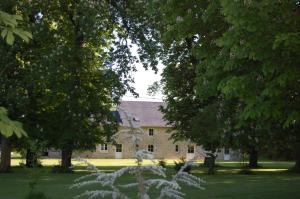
(151, 132)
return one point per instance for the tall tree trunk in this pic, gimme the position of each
(253, 158)
(31, 159)
(5, 154)
(297, 156)
(66, 157)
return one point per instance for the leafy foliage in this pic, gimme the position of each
(64, 84)
(9, 25)
(9, 127)
(237, 58)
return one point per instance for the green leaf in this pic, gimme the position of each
(9, 127)
(4, 33)
(23, 34)
(18, 17)
(10, 38)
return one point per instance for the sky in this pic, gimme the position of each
(143, 79)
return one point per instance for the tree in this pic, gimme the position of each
(262, 49)
(7, 129)
(77, 67)
(63, 84)
(246, 54)
(183, 35)
(9, 26)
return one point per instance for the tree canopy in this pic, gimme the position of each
(64, 84)
(240, 57)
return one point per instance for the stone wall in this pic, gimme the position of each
(163, 147)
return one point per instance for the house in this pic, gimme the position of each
(155, 137)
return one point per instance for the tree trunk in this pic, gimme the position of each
(210, 162)
(297, 157)
(66, 157)
(31, 159)
(5, 154)
(253, 158)
(206, 161)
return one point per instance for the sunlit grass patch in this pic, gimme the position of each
(268, 170)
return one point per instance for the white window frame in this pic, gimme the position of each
(191, 149)
(151, 132)
(149, 148)
(103, 147)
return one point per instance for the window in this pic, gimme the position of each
(103, 147)
(151, 132)
(226, 151)
(176, 148)
(150, 148)
(191, 149)
(118, 147)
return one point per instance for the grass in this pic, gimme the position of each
(272, 181)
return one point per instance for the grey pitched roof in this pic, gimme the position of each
(146, 113)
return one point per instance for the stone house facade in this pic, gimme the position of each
(155, 137)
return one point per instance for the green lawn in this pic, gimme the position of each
(272, 181)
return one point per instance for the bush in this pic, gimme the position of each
(181, 163)
(162, 163)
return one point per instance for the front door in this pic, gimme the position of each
(226, 154)
(190, 153)
(119, 151)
